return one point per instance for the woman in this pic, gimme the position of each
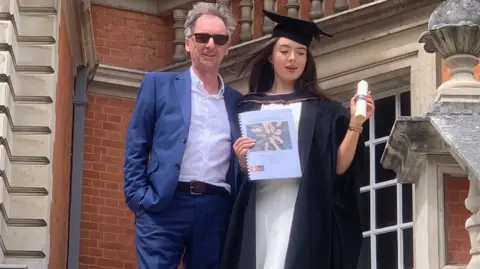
(308, 222)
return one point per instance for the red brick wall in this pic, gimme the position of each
(132, 39)
(107, 226)
(458, 242)
(107, 234)
(59, 213)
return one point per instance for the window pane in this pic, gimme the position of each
(366, 130)
(407, 203)
(408, 248)
(365, 210)
(365, 180)
(381, 174)
(386, 207)
(384, 116)
(365, 262)
(387, 257)
(405, 108)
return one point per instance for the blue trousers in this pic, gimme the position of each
(194, 225)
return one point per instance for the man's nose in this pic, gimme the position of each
(210, 43)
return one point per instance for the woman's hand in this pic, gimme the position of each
(241, 147)
(353, 106)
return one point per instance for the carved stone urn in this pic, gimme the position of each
(454, 32)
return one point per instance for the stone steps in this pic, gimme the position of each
(38, 3)
(13, 266)
(24, 85)
(25, 53)
(28, 31)
(40, 28)
(26, 263)
(27, 209)
(22, 230)
(23, 144)
(33, 23)
(38, 113)
(23, 175)
(38, 6)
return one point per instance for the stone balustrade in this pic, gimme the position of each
(246, 12)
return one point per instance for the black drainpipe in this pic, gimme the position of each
(80, 102)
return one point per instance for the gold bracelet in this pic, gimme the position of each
(355, 129)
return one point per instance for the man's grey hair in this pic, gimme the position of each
(203, 8)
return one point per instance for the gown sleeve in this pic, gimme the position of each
(347, 230)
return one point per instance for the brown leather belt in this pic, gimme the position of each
(200, 188)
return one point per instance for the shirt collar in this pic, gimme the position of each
(198, 84)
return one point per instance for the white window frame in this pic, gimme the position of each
(373, 232)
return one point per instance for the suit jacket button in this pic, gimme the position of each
(177, 166)
(185, 141)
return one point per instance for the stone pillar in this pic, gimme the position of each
(246, 21)
(268, 23)
(179, 17)
(292, 8)
(473, 222)
(340, 5)
(316, 10)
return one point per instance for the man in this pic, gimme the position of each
(182, 193)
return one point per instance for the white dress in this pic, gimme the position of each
(275, 202)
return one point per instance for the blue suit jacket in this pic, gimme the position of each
(159, 127)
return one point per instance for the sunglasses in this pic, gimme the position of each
(202, 38)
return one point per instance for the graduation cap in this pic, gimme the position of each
(300, 31)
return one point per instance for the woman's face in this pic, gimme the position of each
(288, 59)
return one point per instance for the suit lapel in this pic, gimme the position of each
(306, 128)
(231, 106)
(183, 87)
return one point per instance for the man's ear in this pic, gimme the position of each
(187, 44)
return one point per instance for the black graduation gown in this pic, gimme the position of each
(326, 231)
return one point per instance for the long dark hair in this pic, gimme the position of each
(262, 75)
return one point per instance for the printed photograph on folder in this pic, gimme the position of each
(275, 154)
(270, 136)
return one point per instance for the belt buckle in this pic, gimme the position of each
(192, 192)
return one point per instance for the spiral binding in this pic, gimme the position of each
(241, 132)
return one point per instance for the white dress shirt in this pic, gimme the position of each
(208, 148)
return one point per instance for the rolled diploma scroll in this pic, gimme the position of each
(361, 107)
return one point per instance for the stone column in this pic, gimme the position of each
(246, 21)
(179, 17)
(316, 10)
(292, 8)
(472, 203)
(268, 23)
(340, 5)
